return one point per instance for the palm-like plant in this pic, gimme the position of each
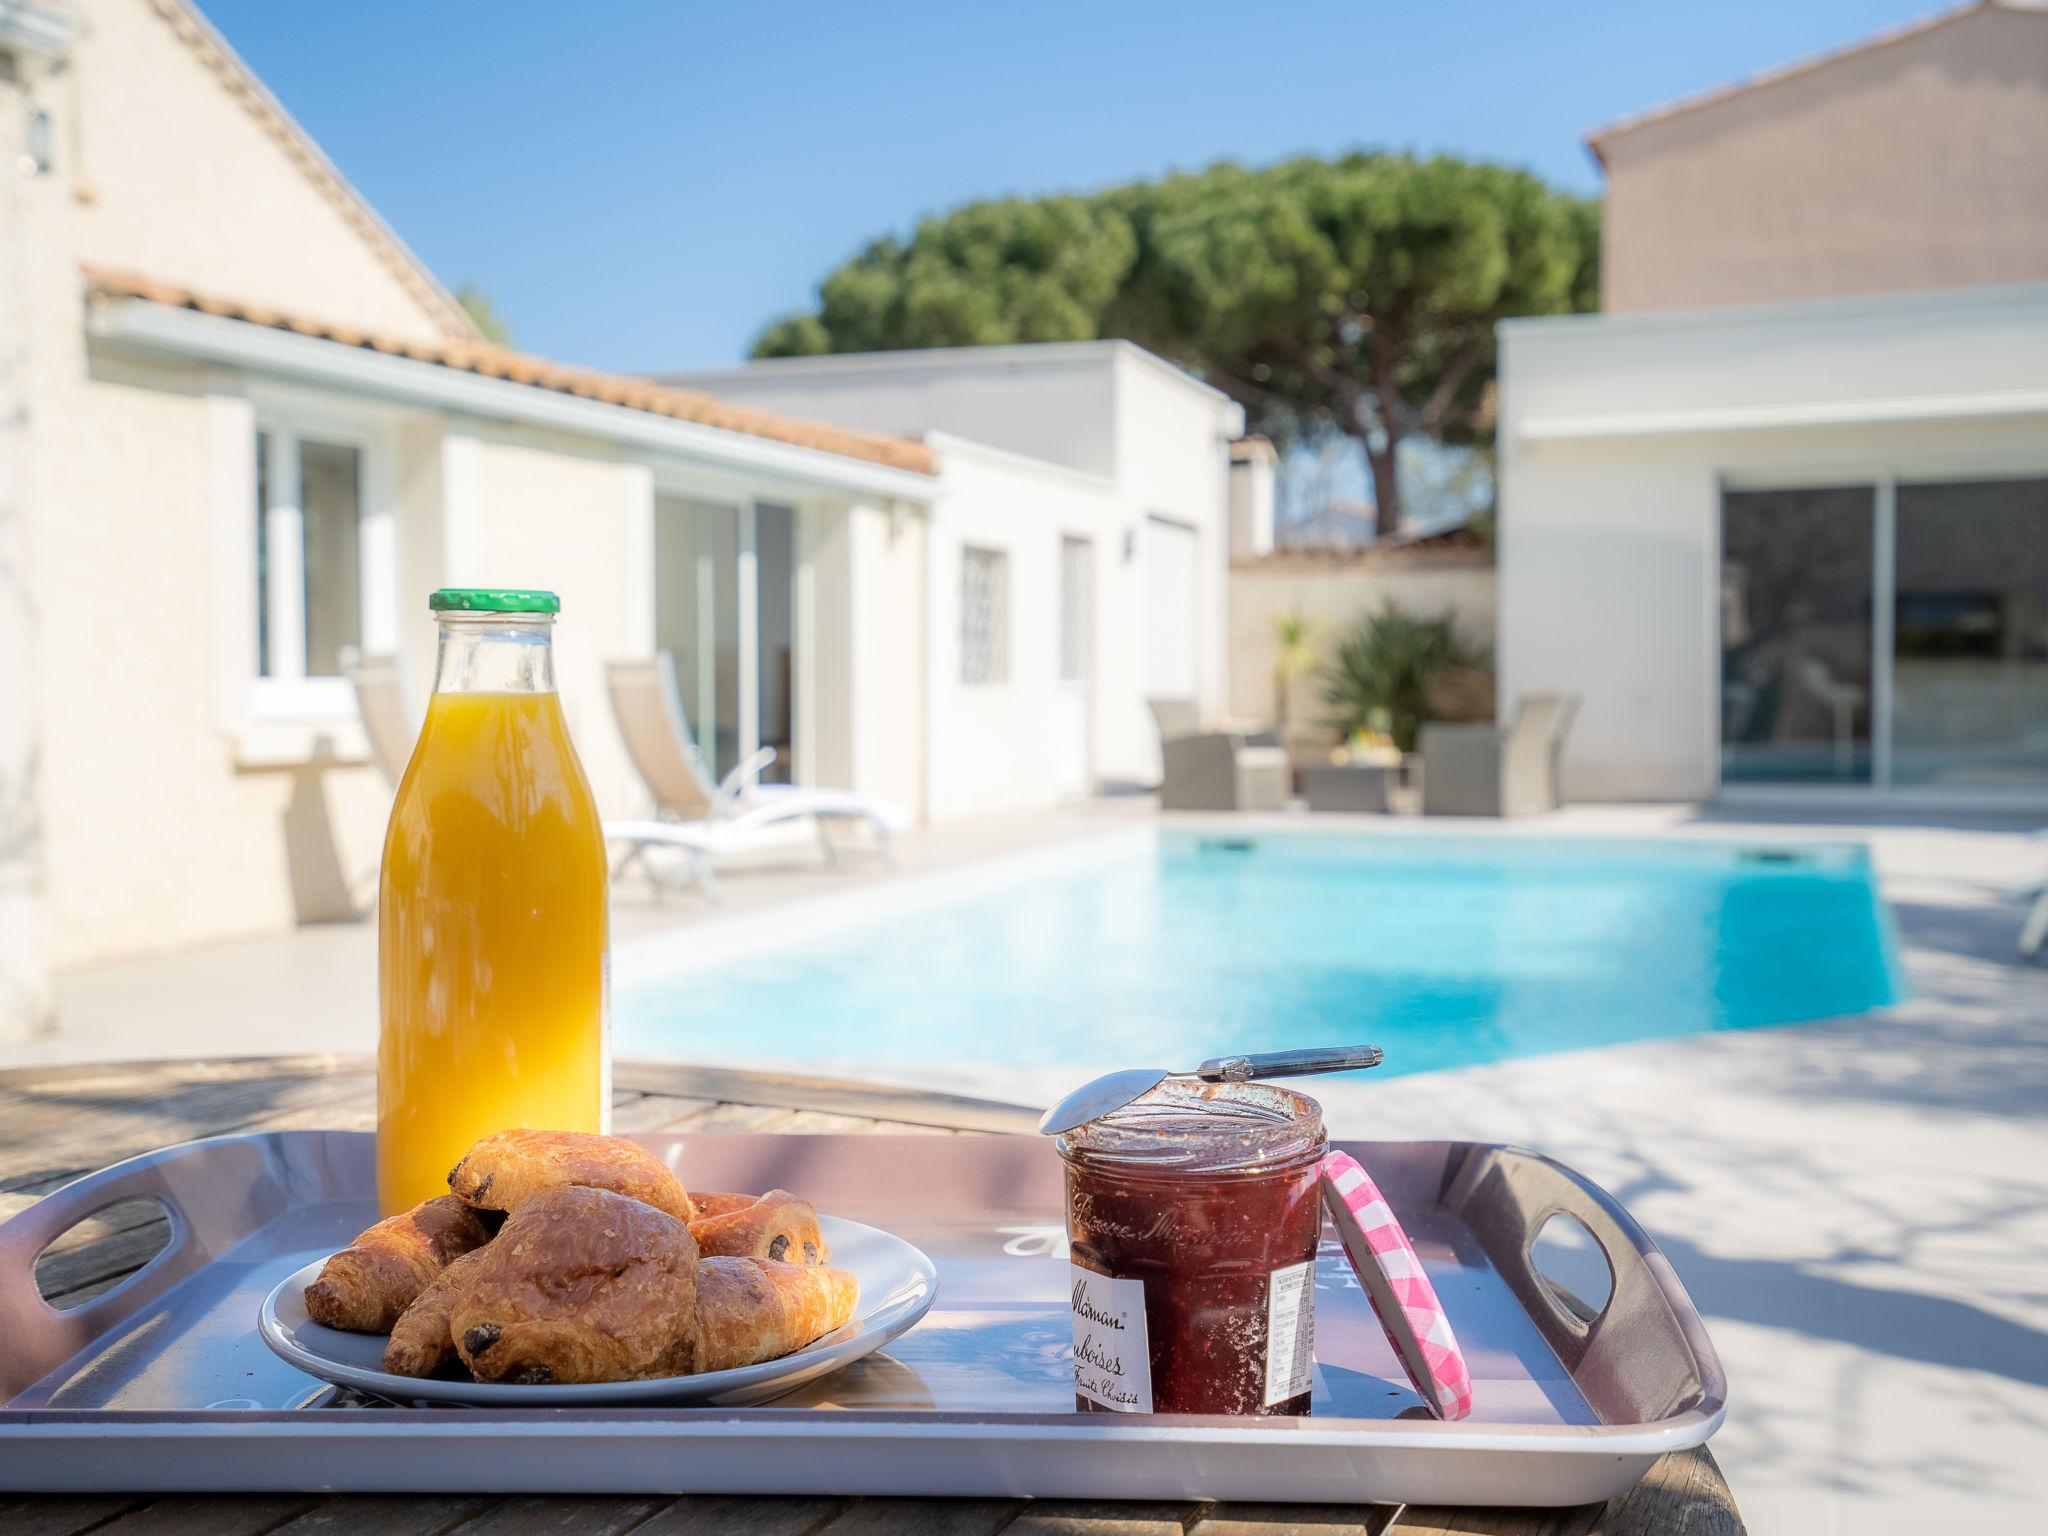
(1294, 653)
(1384, 667)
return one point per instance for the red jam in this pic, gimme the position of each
(1206, 1194)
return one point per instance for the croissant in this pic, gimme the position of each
(776, 1225)
(750, 1310)
(421, 1342)
(503, 1171)
(369, 1283)
(581, 1285)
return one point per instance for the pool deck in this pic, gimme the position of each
(1860, 1208)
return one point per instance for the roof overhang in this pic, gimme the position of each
(171, 330)
(2003, 405)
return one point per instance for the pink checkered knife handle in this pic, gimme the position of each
(1449, 1387)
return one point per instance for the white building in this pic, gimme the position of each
(1801, 547)
(1085, 492)
(243, 430)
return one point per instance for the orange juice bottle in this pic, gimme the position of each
(491, 966)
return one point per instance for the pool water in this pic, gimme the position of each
(1173, 946)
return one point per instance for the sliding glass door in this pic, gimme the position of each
(1890, 634)
(1796, 571)
(724, 608)
(1970, 642)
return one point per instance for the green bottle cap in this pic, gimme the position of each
(485, 600)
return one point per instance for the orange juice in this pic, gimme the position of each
(491, 919)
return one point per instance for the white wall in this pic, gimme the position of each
(991, 743)
(1055, 403)
(1251, 505)
(1173, 462)
(1336, 591)
(1618, 433)
(1148, 442)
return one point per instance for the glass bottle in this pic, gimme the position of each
(491, 917)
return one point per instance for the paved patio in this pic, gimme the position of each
(1859, 1207)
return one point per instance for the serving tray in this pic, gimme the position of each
(163, 1385)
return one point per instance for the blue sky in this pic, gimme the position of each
(642, 186)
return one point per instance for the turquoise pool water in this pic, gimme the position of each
(1173, 946)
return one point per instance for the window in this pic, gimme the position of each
(309, 554)
(1796, 568)
(1886, 634)
(1077, 584)
(984, 616)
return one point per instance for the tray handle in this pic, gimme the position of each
(41, 1337)
(1645, 1354)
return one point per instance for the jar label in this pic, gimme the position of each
(1290, 1332)
(1112, 1355)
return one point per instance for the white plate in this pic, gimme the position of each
(897, 1287)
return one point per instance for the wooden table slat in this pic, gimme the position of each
(705, 1515)
(1298, 1520)
(411, 1514)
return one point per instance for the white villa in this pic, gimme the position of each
(1781, 514)
(244, 431)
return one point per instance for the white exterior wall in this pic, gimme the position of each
(1618, 433)
(1056, 403)
(1147, 441)
(1335, 594)
(575, 519)
(1173, 462)
(992, 743)
(1251, 506)
(175, 798)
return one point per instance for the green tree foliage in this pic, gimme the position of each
(483, 314)
(1385, 667)
(1356, 295)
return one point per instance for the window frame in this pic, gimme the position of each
(1080, 612)
(1885, 476)
(999, 622)
(289, 418)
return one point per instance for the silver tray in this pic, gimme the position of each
(162, 1384)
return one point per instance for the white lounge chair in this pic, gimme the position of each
(389, 729)
(701, 817)
(380, 700)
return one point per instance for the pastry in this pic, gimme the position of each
(420, 1342)
(776, 1225)
(750, 1310)
(504, 1171)
(582, 1285)
(369, 1283)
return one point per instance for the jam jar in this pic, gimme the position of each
(1193, 1216)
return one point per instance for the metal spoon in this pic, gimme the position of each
(1091, 1101)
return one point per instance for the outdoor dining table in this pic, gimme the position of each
(57, 1123)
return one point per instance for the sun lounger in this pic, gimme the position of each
(2034, 934)
(703, 818)
(380, 700)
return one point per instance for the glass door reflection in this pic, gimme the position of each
(1796, 642)
(1970, 635)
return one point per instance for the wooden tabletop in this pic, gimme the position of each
(57, 1123)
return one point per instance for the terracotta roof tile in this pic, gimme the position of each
(494, 362)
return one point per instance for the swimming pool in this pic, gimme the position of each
(1168, 946)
